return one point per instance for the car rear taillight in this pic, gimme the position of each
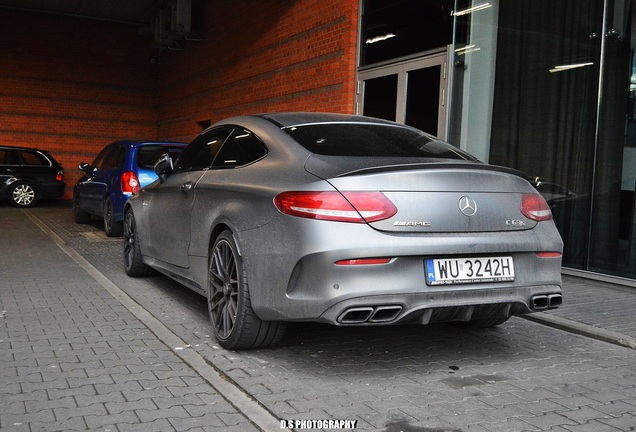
(59, 176)
(129, 183)
(549, 254)
(363, 261)
(356, 207)
(534, 207)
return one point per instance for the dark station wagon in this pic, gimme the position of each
(28, 175)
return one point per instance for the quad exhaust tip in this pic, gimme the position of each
(370, 314)
(543, 302)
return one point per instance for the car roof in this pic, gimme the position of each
(23, 148)
(287, 119)
(138, 143)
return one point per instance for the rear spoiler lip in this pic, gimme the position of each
(436, 165)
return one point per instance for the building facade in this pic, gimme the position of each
(543, 86)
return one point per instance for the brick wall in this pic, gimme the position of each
(273, 55)
(72, 85)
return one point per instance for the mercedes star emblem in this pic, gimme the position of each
(467, 205)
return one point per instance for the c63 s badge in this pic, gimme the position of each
(515, 223)
(412, 223)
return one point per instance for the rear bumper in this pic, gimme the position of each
(300, 282)
(52, 189)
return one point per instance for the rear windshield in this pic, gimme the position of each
(147, 155)
(369, 139)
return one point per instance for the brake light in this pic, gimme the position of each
(356, 207)
(129, 183)
(59, 176)
(534, 207)
(548, 254)
(363, 261)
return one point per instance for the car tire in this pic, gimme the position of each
(79, 215)
(483, 323)
(112, 227)
(236, 326)
(22, 194)
(133, 263)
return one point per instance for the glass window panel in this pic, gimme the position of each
(393, 29)
(380, 97)
(422, 99)
(30, 158)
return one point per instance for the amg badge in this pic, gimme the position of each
(411, 224)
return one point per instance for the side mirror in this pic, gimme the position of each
(86, 167)
(163, 166)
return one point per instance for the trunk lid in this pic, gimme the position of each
(441, 197)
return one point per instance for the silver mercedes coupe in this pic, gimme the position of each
(346, 220)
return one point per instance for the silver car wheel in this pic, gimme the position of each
(224, 289)
(23, 195)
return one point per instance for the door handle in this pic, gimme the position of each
(186, 186)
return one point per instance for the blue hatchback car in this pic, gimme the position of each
(120, 170)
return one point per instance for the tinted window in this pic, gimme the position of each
(147, 155)
(114, 159)
(200, 153)
(31, 158)
(241, 148)
(364, 139)
(99, 160)
(9, 157)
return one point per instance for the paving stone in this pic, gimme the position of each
(521, 376)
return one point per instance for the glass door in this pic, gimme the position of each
(411, 92)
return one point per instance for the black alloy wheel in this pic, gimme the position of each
(224, 289)
(112, 227)
(133, 264)
(235, 324)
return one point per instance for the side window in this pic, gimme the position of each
(99, 160)
(31, 158)
(241, 148)
(121, 157)
(4, 157)
(12, 157)
(200, 153)
(113, 158)
(148, 155)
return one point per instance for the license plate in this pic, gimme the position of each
(469, 270)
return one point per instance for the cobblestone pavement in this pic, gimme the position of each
(74, 356)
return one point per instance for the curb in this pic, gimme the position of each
(582, 329)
